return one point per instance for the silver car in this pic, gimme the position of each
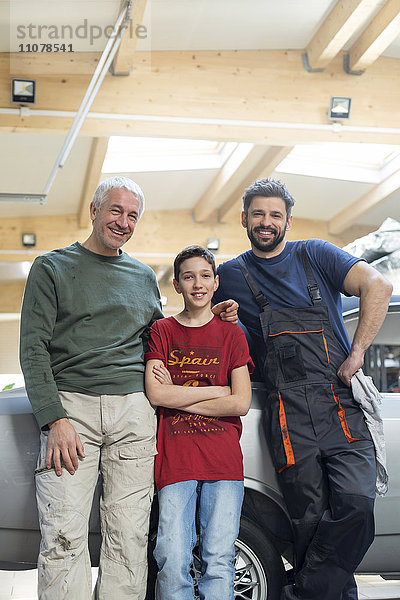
(264, 545)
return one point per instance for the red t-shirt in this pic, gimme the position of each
(191, 446)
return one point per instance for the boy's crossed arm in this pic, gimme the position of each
(209, 401)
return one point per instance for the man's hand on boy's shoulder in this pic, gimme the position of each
(227, 310)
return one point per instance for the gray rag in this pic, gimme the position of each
(369, 398)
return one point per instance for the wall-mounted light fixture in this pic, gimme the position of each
(339, 108)
(213, 244)
(29, 239)
(23, 91)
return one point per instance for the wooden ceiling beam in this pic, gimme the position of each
(379, 34)
(351, 214)
(92, 178)
(336, 30)
(232, 171)
(224, 133)
(219, 132)
(124, 59)
(223, 88)
(267, 161)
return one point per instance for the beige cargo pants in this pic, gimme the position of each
(118, 434)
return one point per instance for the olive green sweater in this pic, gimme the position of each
(84, 321)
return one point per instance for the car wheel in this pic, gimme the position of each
(259, 567)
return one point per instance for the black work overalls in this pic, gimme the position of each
(319, 443)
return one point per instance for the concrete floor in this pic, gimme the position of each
(22, 585)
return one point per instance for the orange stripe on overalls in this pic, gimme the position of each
(282, 332)
(285, 436)
(326, 348)
(342, 418)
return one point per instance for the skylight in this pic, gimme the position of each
(370, 163)
(137, 154)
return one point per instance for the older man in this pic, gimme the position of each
(86, 312)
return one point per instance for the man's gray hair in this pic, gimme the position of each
(101, 194)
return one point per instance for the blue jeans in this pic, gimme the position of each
(218, 506)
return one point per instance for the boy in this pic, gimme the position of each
(197, 371)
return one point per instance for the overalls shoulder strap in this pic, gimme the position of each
(312, 285)
(262, 301)
(260, 298)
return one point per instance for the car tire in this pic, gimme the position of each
(259, 567)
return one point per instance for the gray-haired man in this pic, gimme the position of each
(85, 314)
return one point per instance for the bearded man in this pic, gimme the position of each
(289, 296)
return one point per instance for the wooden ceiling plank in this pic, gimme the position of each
(351, 214)
(44, 64)
(336, 30)
(216, 193)
(268, 161)
(92, 178)
(123, 61)
(379, 34)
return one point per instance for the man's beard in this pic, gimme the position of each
(267, 245)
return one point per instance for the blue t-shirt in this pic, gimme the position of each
(283, 281)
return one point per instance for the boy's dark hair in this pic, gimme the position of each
(192, 252)
(269, 188)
